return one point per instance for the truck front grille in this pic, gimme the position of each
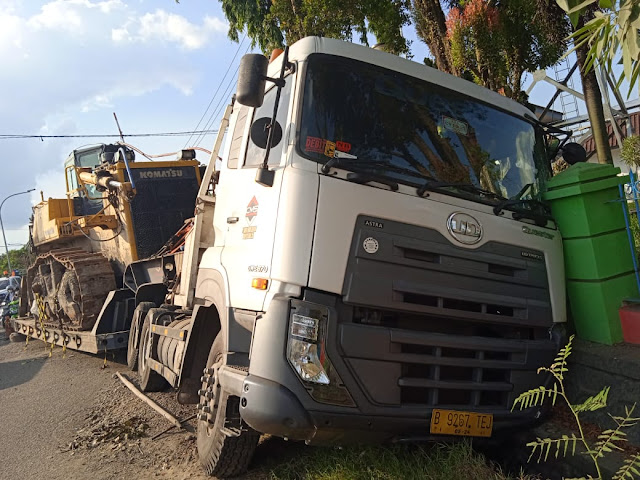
(429, 324)
(473, 368)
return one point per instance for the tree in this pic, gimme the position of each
(593, 101)
(582, 14)
(430, 21)
(274, 23)
(476, 43)
(492, 42)
(611, 30)
(20, 260)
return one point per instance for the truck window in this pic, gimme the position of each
(413, 130)
(236, 139)
(255, 154)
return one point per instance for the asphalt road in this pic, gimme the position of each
(43, 400)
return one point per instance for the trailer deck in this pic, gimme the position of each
(84, 341)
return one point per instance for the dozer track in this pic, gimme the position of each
(73, 285)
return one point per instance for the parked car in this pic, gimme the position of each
(9, 289)
(9, 283)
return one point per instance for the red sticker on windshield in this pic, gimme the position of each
(343, 147)
(325, 147)
(315, 145)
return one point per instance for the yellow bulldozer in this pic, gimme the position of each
(117, 210)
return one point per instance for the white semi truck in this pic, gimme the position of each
(370, 261)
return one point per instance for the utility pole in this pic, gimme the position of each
(6, 247)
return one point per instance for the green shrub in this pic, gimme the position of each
(630, 153)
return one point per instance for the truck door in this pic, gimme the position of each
(250, 209)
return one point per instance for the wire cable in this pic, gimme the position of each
(160, 155)
(218, 89)
(221, 103)
(107, 135)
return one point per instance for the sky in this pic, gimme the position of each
(67, 65)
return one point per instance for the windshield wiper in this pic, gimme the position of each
(366, 177)
(540, 218)
(521, 201)
(517, 200)
(337, 160)
(380, 165)
(434, 185)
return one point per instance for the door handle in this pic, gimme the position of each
(232, 219)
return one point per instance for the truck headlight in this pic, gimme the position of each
(302, 349)
(306, 352)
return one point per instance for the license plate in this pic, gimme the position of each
(467, 424)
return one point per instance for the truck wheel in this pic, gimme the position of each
(150, 380)
(222, 455)
(134, 333)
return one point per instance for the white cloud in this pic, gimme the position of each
(64, 70)
(58, 15)
(161, 26)
(10, 32)
(98, 101)
(67, 15)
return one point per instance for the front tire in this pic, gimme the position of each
(150, 380)
(223, 455)
(133, 347)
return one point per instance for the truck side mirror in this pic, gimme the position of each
(252, 79)
(573, 153)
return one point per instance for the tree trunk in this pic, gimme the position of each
(593, 100)
(431, 27)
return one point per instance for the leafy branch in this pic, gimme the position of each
(613, 32)
(629, 469)
(607, 438)
(607, 441)
(543, 446)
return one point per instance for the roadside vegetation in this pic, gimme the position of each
(396, 462)
(20, 259)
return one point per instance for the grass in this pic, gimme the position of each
(396, 462)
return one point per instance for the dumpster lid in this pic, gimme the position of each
(582, 173)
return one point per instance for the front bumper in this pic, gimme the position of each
(269, 407)
(275, 401)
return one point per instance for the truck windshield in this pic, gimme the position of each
(412, 131)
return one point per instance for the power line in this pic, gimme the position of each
(221, 102)
(109, 135)
(218, 89)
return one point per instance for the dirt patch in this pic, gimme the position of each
(562, 417)
(117, 437)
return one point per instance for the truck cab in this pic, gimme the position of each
(395, 278)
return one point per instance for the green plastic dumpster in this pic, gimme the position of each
(585, 202)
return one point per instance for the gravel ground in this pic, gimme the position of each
(67, 417)
(43, 401)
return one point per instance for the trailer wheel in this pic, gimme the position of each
(134, 333)
(223, 455)
(150, 380)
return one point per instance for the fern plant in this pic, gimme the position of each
(608, 441)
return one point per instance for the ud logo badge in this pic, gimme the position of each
(464, 228)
